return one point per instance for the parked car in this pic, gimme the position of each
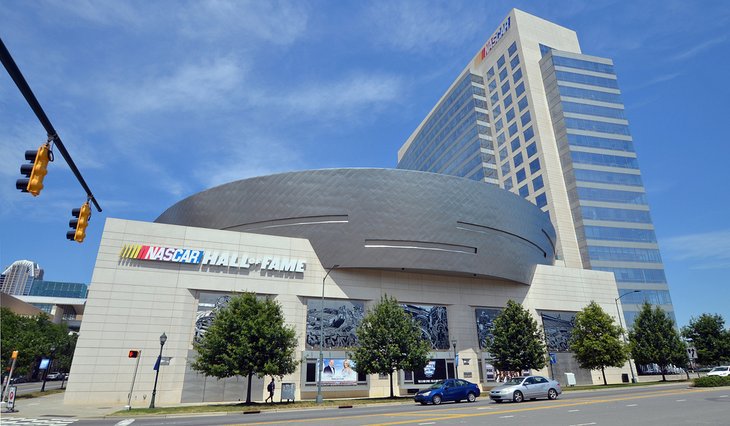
(19, 379)
(530, 387)
(448, 390)
(54, 376)
(722, 371)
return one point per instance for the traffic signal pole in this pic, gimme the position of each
(129, 397)
(53, 137)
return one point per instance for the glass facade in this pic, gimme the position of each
(457, 138)
(59, 289)
(611, 211)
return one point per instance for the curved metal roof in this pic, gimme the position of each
(384, 219)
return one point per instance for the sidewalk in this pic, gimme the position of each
(49, 406)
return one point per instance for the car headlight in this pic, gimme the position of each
(426, 393)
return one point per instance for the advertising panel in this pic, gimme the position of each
(338, 372)
(434, 371)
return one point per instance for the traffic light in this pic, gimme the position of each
(36, 170)
(79, 225)
(133, 354)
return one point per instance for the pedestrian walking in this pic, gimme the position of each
(271, 388)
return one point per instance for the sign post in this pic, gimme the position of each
(14, 357)
(11, 399)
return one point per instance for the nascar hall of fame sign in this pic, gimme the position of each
(212, 258)
(493, 40)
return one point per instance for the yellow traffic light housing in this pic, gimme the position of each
(79, 225)
(36, 171)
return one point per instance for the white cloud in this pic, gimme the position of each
(696, 50)
(709, 250)
(277, 22)
(420, 25)
(208, 83)
(340, 99)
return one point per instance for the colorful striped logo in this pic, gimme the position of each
(164, 254)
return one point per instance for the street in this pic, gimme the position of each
(656, 405)
(26, 388)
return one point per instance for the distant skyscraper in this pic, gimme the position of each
(18, 278)
(535, 116)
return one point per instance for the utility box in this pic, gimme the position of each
(287, 391)
(570, 379)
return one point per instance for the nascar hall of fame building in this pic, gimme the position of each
(453, 251)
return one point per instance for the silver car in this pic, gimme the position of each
(519, 389)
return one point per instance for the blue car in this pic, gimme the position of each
(448, 390)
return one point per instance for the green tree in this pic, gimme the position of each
(517, 340)
(389, 340)
(655, 340)
(595, 340)
(247, 337)
(33, 337)
(710, 338)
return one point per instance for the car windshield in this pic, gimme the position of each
(514, 381)
(437, 385)
(721, 369)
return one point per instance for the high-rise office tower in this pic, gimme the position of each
(537, 117)
(18, 278)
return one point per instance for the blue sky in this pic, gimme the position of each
(159, 100)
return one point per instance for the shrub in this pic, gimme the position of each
(711, 381)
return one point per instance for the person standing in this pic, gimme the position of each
(271, 388)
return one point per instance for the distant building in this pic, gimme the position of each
(18, 278)
(59, 289)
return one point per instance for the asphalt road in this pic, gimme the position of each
(665, 405)
(25, 388)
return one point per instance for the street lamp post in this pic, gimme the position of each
(633, 378)
(321, 339)
(163, 339)
(456, 360)
(50, 363)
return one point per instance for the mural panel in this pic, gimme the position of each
(341, 318)
(558, 329)
(485, 318)
(209, 304)
(433, 322)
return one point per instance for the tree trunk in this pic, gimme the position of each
(248, 393)
(391, 383)
(604, 376)
(664, 377)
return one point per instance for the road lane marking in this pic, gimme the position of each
(632, 405)
(485, 408)
(681, 400)
(722, 396)
(436, 417)
(125, 422)
(505, 417)
(429, 423)
(585, 424)
(573, 411)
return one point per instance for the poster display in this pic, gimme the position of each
(434, 371)
(338, 372)
(558, 329)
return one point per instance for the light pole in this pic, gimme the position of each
(456, 360)
(321, 339)
(50, 364)
(633, 378)
(163, 339)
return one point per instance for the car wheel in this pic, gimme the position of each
(552, 394)
(517, 396)
(436, 400)
(471, 397)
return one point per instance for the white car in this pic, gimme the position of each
(722, 371)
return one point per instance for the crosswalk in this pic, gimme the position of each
(18, 421)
